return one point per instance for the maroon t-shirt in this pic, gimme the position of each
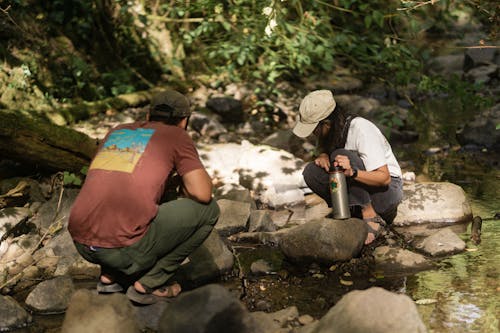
(126, 180)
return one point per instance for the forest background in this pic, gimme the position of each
(66, 52)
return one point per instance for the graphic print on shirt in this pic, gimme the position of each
(122, 150)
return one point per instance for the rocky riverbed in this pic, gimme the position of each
(268, 233)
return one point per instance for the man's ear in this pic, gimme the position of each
(148, 116)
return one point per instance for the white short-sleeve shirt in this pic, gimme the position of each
(373, 148)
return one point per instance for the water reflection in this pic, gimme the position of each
(466, 287)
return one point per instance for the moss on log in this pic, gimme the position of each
(86, 110)
(29, 138)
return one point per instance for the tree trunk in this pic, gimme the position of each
(28, 138)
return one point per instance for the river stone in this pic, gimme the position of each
(432, 205)
(90, 312)
(374, 310)
(444, 242)
(324, 240)
(209, 309)
(12, 315)
(233, 216)
(395, 260)
(273, 175)
(209, 261)
(51, 296)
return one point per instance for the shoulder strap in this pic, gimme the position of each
(345, 130)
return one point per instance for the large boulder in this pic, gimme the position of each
(90, 312)
(427, 206)
(374, 310)
(273, 175)
(211, 308)
(325, 240)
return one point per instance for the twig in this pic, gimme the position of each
(420, 4)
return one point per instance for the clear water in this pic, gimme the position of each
(466, 287)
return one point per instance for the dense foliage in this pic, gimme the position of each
(92, 49)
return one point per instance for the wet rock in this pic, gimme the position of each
(215, 310)
(431, 205)
(374, 310)
(334, 240)
(90, 312)
(233, 216)
(443, 242)
(51, 296)
(395, 260)
(12, 315)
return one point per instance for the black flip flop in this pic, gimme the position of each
(145, 298)
(108, 288)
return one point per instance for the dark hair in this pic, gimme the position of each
(337, 135)
(166, 120)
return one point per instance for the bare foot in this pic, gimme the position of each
(106, 279)
(372, 234)
(171, 290)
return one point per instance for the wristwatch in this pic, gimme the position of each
(354, 173)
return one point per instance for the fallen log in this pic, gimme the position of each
(85, 110)
(29, 138)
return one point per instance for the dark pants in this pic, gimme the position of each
(179, 228)
(384, 199)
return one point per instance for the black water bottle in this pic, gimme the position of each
(338, 192)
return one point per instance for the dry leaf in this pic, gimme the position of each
(425, 301)
(346, 283)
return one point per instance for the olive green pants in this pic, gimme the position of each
(178, 229)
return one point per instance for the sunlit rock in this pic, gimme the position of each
(432, 205)
(274, 176)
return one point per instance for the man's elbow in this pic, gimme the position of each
(204, 198)
(386, 181)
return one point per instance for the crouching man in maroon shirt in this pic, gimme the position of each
(118, 219)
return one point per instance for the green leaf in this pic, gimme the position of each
(68, 178)
(368, 21)
(378, 17)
